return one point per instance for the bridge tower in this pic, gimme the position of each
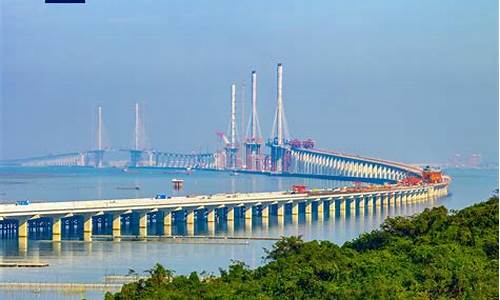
(279, 148)
(254, 142)
(99, 152)
(232, 147)
(136, 152)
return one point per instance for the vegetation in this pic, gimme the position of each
(433, 255)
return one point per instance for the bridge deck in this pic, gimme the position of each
(188, 202)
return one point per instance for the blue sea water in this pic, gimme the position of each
(74, 261)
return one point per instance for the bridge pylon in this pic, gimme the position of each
(98, 154)
(232, 147)
(280, 149)
(253, 160)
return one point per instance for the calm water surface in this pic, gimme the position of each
(74, 261)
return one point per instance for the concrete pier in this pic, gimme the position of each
(56, 228)
(87, 227)
(308, 207)
(248, 212)
(265, 211)
(230, 214)
(280, 213)
(211, 218)
(22, 230)
(361, 202)
(117, 226)
(331, 208)
(352, 205)
(143, 224)
(167, 222)
(321, 208)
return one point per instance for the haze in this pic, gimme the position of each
(413, 81)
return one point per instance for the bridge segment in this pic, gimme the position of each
(325, 163)
(213, 207)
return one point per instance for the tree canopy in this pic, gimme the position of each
(436, 254)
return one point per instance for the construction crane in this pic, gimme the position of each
(223, 137)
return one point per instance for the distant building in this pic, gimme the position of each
(474, 161)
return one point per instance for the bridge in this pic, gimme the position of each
(23, 220)
(399, 183)
(287, 156)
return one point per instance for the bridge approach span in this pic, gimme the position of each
(326, 163)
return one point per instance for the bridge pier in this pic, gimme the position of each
(143, 224)
(211, 228)
(409, 199)
(390, 199)
(361, 203)
(167, 222)
(352, 206)
(22, 231)
(369, 202)
(331, 208)
(248, 212)
(117, 226)
(56, 229)
(399, 198)
(230, 214)
(386, 200)
(265, 215)
(190, 221)
(308, 207)
(211, 217)
(87, 227)
(265, 211)
(341, 204)
(295, 208)
(321, 208)
(280, 213)
(230, 219)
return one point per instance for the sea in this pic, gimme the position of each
(76, 261)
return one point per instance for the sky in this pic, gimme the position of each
(411, 81)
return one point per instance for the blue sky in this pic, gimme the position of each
(414, 81)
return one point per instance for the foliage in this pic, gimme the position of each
(432, 255)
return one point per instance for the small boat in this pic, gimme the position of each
(178, 183)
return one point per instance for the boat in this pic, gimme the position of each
(178, 183)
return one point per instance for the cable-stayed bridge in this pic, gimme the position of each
(286, 156)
